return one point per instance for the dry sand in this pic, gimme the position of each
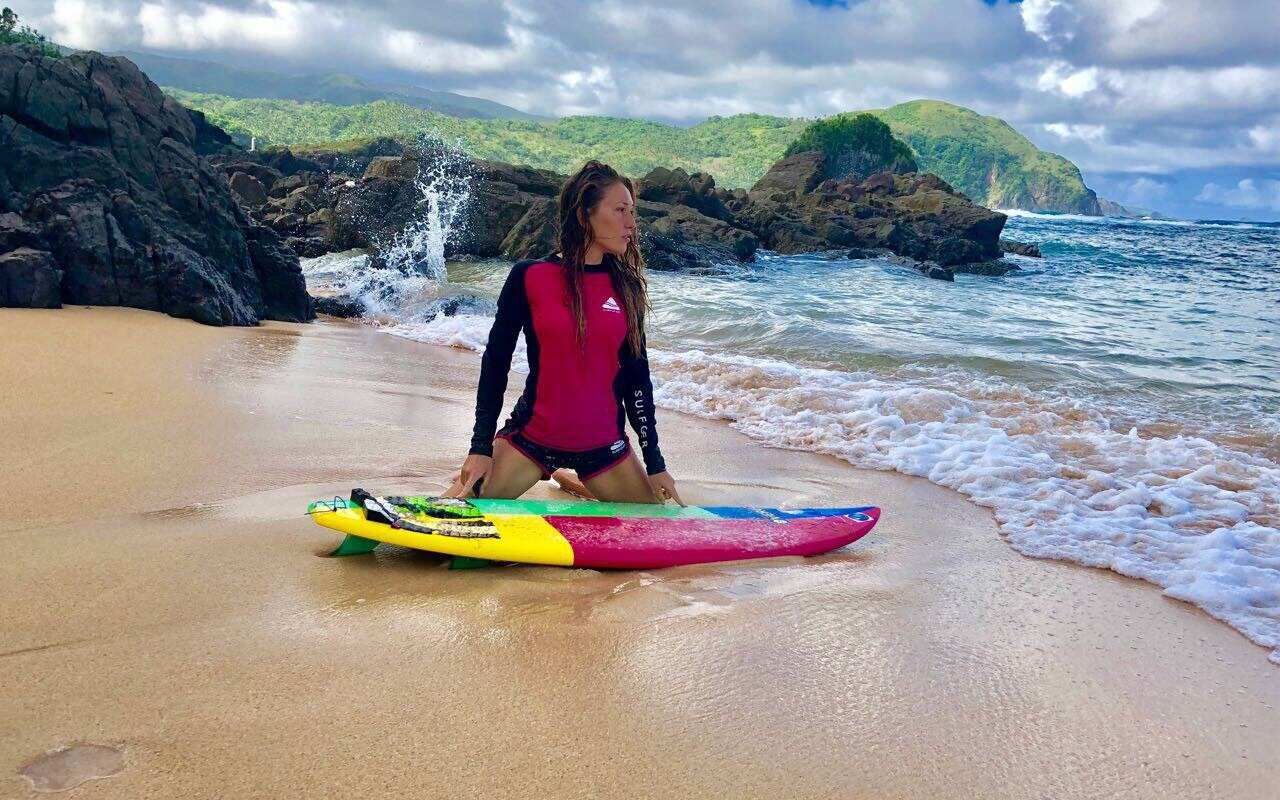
(163, 597)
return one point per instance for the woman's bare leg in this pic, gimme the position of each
(512, 475)
(568, 481)
(626, 482)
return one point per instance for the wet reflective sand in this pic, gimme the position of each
(164, 596)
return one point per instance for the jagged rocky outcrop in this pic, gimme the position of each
(105, 199)
(1020, 248)
(687, 222)
(327, 201)
(916, 215)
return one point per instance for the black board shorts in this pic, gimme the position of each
(587, 463)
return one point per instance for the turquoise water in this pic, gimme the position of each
(1158, 322)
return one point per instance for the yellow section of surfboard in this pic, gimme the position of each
(525, 538)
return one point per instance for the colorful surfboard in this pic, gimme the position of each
(588, 533)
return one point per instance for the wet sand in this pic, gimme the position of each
(164, 596)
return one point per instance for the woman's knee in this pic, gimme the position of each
(624, 483)
(511, 475)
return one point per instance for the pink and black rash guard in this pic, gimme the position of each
(571, 400)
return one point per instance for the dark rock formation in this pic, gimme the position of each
(1110, 208)
(392, 167)
(1020, 248)
(248, 189)
(679, 237)
(29, 279)
(939, 273)
(358, 197)
(105, 200)
(535, 233)
(916, 215)
(339, 306)
(675, 187)
(367, 213)
(209, 138)
(263, 174)
(348, 161)
(795, 175)
(994, 267)
(502, 196)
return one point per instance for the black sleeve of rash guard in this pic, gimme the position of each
(513, 313)
(637, 397)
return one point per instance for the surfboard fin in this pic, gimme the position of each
(355, 546)
(465, 562)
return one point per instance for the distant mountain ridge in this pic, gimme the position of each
(337, 88)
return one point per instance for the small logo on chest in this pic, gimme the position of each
(611, 305)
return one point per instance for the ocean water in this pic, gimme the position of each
(1116, 403)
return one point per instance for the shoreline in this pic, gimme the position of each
(164, 597)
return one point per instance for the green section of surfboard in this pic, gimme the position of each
(544, 508)
(589, 508)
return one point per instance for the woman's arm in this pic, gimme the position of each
(513, 312)
(637, 399)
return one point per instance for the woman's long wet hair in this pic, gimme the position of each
(578, 198)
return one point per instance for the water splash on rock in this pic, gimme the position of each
(444, 179)
(407, 264)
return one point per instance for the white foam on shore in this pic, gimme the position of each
(1194, 517)
(467, 331)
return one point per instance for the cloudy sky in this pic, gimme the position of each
(1172, 104)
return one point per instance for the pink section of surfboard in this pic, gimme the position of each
(638, 543)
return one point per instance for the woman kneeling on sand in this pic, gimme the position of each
(582, 311)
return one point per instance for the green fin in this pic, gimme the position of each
(355, 546)
(465, 562)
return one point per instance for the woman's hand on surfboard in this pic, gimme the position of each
(474, 468)
(664, 486)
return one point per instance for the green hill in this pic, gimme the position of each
(982, 156)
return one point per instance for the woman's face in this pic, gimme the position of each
(613, 221)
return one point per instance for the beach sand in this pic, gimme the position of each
(164, 596)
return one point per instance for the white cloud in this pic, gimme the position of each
(1059, 77)
(270, 24)
(424, 53)
(1078, 131)
(1266, 138)
(1185, 32)
(1248, 193)
(1054, 21)
(83, 24)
